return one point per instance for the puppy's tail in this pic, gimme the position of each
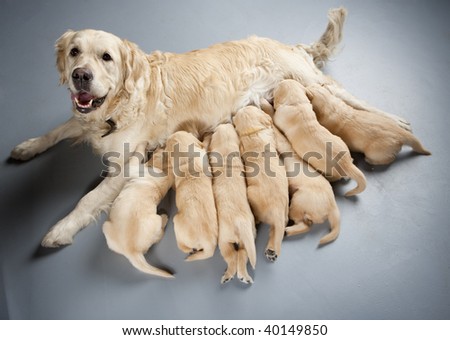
(334, 218)
(139, 262)
(413, 142)
(325, 47)
(248, 240)
(358, 176)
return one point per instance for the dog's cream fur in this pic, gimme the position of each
(267, 185)
(236, 222)
(311, 141)
(377, 136)
(311, 196)
(134, 224)
(195, 224)
(148, 96)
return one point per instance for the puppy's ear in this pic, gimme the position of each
(309, 92)
(61, 55)
(133, 60)
(266, 120)
(267, 107)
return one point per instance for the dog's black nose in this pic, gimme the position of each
(81, 78)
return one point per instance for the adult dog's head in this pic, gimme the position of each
(98, 67)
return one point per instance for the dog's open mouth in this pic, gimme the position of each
(85, 102)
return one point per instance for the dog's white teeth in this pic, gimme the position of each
(84, 106)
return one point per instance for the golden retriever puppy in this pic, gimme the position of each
(377, 136)
(312, 199)
(267, 185)
(236, 222)
(195, 224)
(134, 224)
(316, 145)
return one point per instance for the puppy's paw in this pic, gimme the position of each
(271, 255)
(246, 279)
(27, 150)
(55, 238)
(194, 251)
(226, 278)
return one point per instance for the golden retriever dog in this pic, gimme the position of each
(236, 222)
(121, 95)
(378, 137)
(134, 224)
(311, 196)
(195, 224)
(316, 145)
(267, 185)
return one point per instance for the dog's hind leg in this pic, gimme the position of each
(296, 229)
(201, 254)
(230, 256)
(334, 218)
(276, 235)
(242, 273)
(339, 92)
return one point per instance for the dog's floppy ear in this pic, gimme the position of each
(309, 92)
(61, 55)
(134, 62)
(266, 120)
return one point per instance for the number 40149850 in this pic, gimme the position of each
(296, 330)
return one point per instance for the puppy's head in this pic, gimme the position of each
(183, 141)
(289, 92)
(224, 135)
(185, 149)
(250, 119)
(316, 92)
(96, 66)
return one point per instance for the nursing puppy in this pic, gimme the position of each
(326, 152)
(195, 224)
(134, 224)
(267, 185)
(363, 131)
(312, 199)
(236, 222)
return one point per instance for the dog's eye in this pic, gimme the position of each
(106, 57)
(74, 52)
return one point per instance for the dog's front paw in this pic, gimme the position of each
(271, 255)
(27, 150)
(56, 238)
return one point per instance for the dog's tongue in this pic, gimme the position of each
(84, 98)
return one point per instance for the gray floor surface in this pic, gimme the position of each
(392, 259)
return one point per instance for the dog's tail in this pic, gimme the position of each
(325, 47)
(139, 262)
(245, 230)
(413, 142)
(334, 218)
(358, 176)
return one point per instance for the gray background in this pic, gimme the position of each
(392, 258)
